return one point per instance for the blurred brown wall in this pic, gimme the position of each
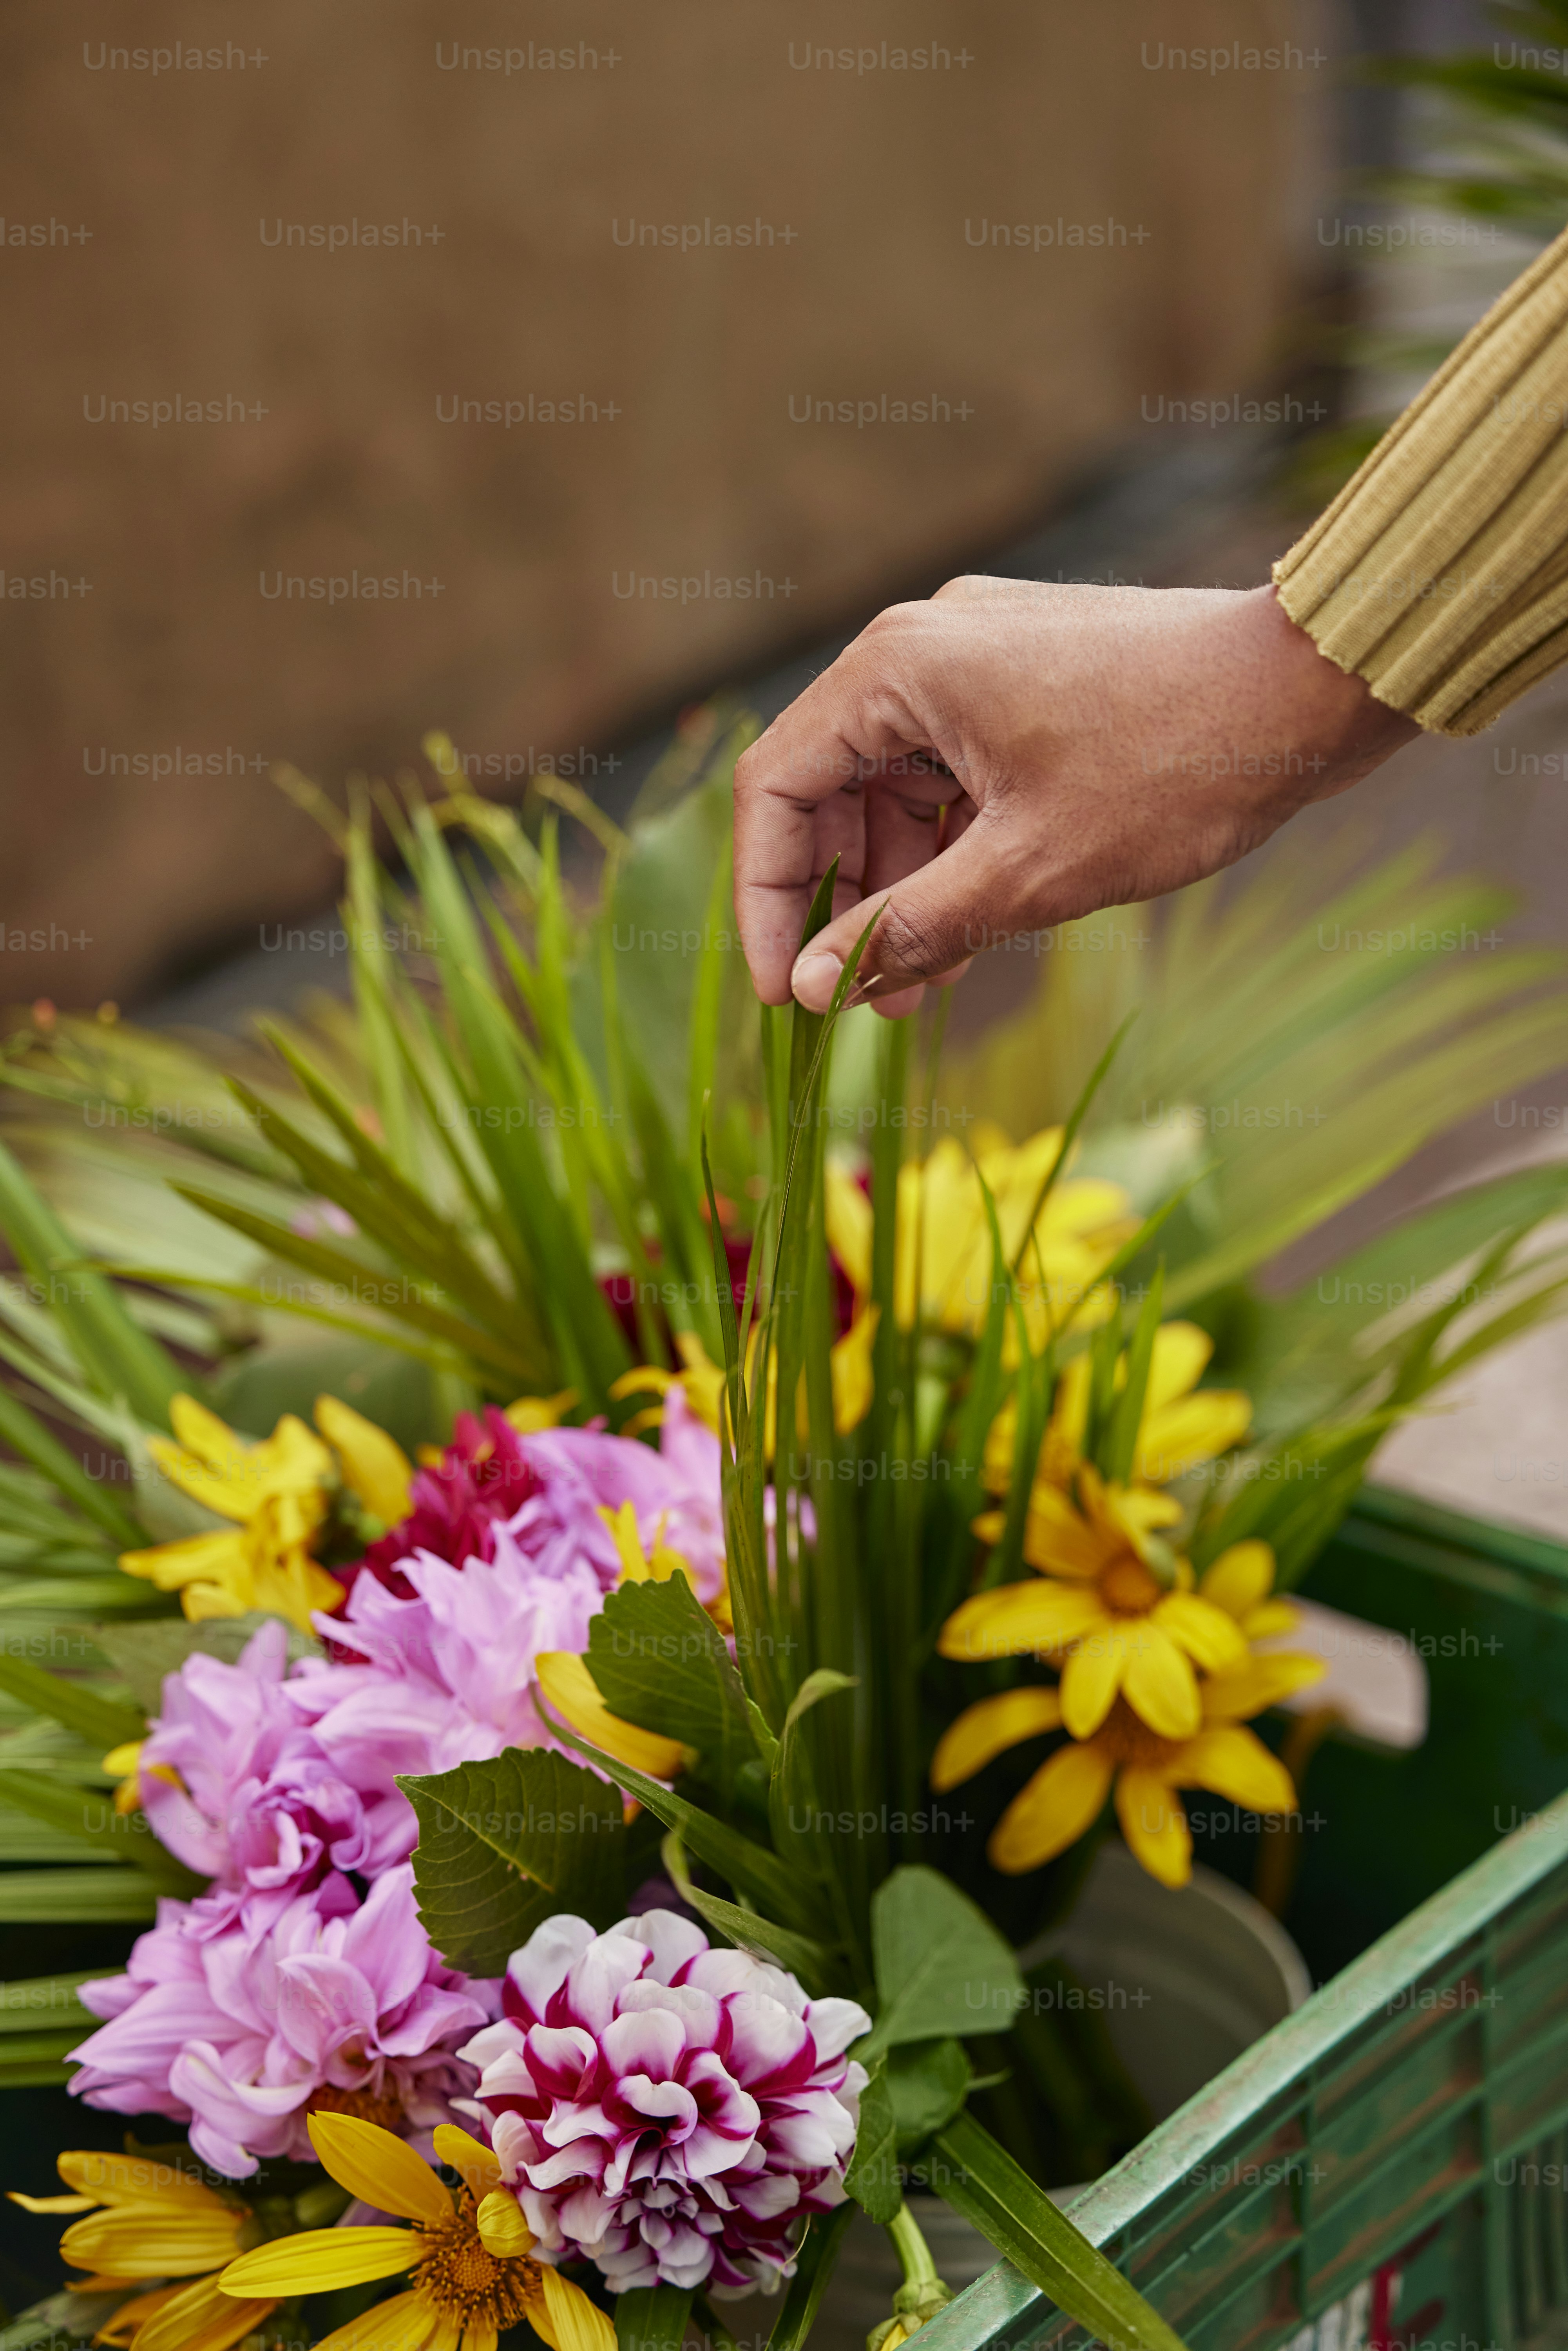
(172, 187)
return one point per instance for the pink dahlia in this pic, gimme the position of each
(242, 2037)
(670, 2111)
(232, 1780)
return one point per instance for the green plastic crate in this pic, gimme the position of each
(1389, 2167)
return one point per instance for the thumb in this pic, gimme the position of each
(928, 924)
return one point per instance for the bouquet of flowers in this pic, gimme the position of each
(559, 1914)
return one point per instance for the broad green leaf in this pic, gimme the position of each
(940, 1963)
(504, 1844)
(927, 2083)
(981, 2181)
(872, 2177)
(659, 1661)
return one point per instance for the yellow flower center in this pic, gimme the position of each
(456, 2275)
(1127, 1588)
(382, 2107)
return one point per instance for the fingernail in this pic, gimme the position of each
(814, 978)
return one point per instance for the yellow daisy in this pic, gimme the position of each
(143, 2219)
(275, 1491)
(467, 2255)
(1066, 1795)
(1111, 1604)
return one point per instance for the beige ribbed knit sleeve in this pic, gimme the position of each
(1439, 574)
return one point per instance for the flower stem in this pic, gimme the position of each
(915, 2257)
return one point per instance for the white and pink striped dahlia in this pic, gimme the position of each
(670, 2111)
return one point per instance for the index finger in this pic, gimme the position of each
(818, 747)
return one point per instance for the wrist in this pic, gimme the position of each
(1332, 709)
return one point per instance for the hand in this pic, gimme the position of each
(1010, 756)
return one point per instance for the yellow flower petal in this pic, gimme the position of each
(1093, 1675)
(987, 1729)
(1240, 1578)
(404, 2322)
(320, 2258)
(200, 2317)
(1262, 1681)
(217, 1557)
(138, 2180)
(1159, 1684)
(50, 2203)
(375, 1465)
(1274, 1616)
(1235, 1762)
(1180, 1435)
(502, 2228)
(852, 1372)
(573, 2323)
(477, 2166)
(479, 2334)
(119, 2329)
(1064, 1798)
(572, 1691)
(381, 2170)
(1211, 1638)
(1018, 1619)
(138, 2240)
(529, 1415)
(849, 1224)
(1180, 1358)
(1155, 1825)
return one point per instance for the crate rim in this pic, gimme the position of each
(1439, 1928)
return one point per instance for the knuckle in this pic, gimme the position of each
(908, 942)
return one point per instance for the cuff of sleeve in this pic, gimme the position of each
(1439, 574)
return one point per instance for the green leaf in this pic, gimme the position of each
(116, 1355)
(505, 1844)
(103, 1722)
(873, 2177)
(940, 1961)
(813, 2267)
(652, 2317)
(981, 2181)
(46, 2004)
(658, 1660)
(750, 1868)
(125, 1837)
(25, 1434)
(91, 1895)
(746, 1930)
(927, 2083)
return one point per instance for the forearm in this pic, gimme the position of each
(1439, 575)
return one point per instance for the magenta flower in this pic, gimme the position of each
(670, 2111)
(239, 2037)
(484, 1476)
